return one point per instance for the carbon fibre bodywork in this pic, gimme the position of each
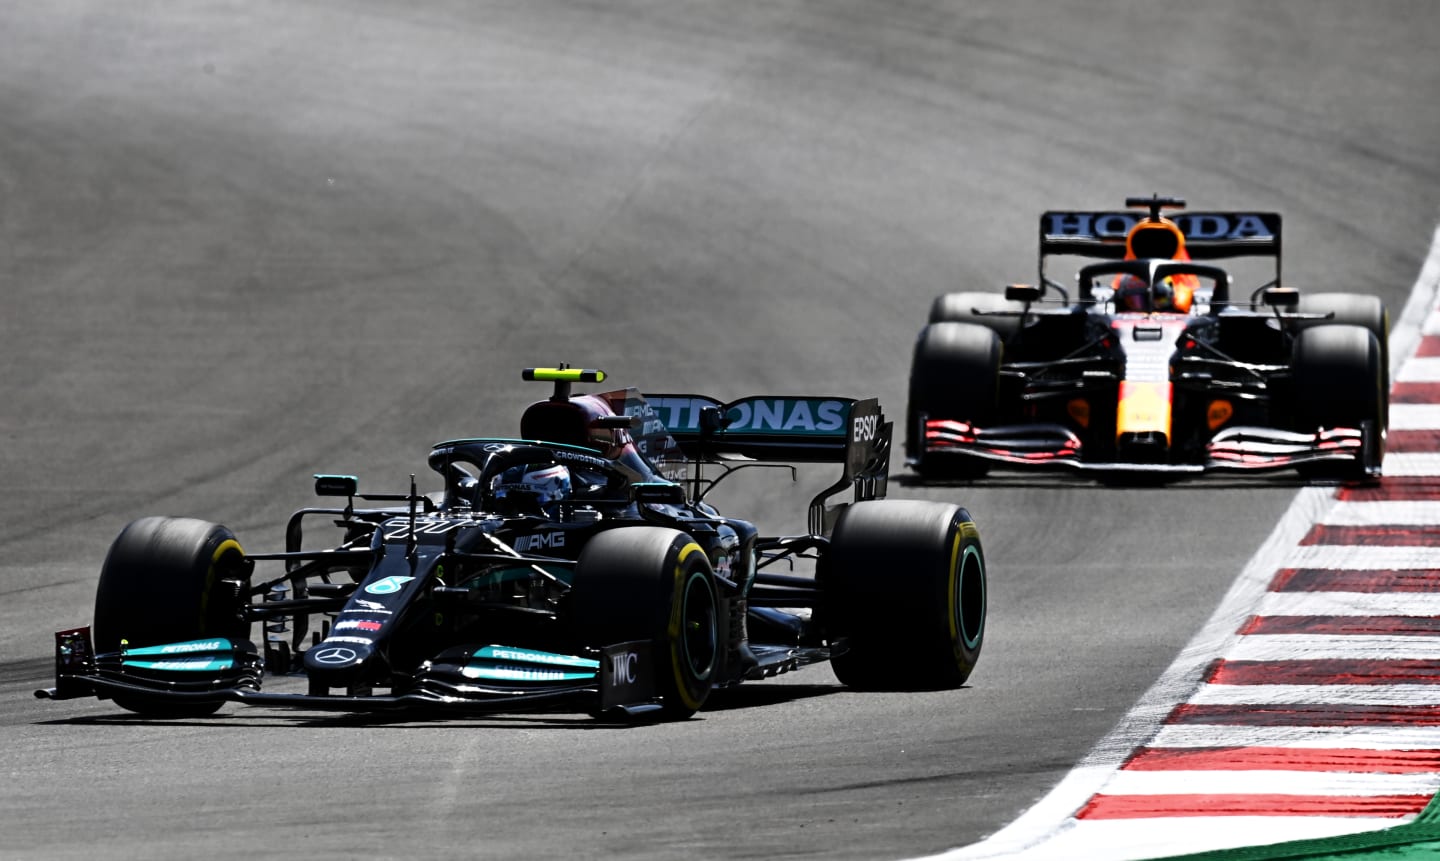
(629, 596)
(1102, 377)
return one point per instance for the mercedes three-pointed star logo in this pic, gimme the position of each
(334, 655)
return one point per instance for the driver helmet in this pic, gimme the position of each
(547, 482)
(1132, 295)
(1157, 238)
(1162, 296)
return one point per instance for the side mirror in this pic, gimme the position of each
(629, 423)
(336, 485)
(657, 493)
(1281, 297)
(1026, 293)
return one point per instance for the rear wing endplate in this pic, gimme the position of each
(777, 429)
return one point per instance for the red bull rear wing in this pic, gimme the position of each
(1208, 235)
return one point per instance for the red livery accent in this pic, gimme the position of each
(1353, 760)
(1324, 671)
(1154, 806)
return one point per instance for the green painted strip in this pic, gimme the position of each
(1417, 839)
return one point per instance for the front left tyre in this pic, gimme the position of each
(170, 580)
(991, 310)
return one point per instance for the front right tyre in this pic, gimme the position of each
(653, 583)
(1350, 309)
(954, 374)
(1340, 380)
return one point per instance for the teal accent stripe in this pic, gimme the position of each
(180, 650)
(183, 664)
(523, 674)
(513, 655)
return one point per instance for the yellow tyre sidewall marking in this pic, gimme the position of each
(229, 545)
(677, 641)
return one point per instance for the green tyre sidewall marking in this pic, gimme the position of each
(965, 595)
(905, 593)
(967, 580)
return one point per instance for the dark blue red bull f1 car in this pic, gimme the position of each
(578, 563)
(1151, 363)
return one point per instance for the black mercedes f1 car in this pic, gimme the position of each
(578, 564)
(1151, 363)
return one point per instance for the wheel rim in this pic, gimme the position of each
(967, 597)
(698, 635)
(216, 610)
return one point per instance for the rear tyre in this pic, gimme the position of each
(651, 583)
(169, 580)
(954, 374)
(905, 591)
(978, 308)
(1339, 378)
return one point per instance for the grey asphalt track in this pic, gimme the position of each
(244, 242)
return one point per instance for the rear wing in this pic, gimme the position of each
(1208, 235)
(778, 429)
